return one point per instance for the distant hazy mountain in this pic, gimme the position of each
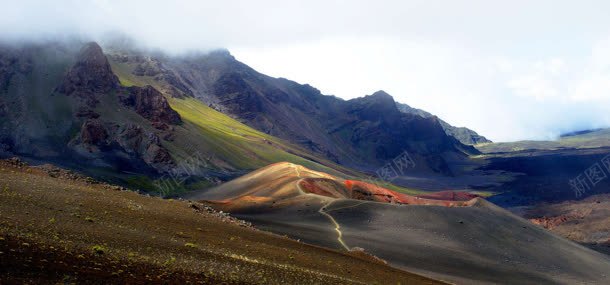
(584, 132)
(464, 135)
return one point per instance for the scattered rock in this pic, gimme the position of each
(225, 217)
(57, 172)
(16, 162)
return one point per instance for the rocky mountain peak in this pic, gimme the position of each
(378, 106)
(381, 99)
(381, 94)
(90, 75)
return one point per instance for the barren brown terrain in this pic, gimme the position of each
(585, 221)
(56, 226)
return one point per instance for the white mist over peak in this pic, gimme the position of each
(508, 70)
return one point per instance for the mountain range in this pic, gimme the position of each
(134, 111)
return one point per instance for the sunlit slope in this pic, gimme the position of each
(230, 144)
(467, 242)
(284, 182)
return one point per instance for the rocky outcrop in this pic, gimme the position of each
(150, 104)
(93, 132)
(148, 68)
(99, 139)
(136, 141)
(89, 76)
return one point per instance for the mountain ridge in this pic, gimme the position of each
(298, 113)
(463, 134)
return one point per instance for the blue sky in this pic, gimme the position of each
(510, 70)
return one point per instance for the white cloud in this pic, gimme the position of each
(595, 87)
(507, 69)
(533, 86)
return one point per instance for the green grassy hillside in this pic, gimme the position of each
(230, 145)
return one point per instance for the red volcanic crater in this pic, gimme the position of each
(353, 189)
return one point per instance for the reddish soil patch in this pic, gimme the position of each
(450, 196)
(366, 191)
(353, 189)
(551, 222)
(323, 187)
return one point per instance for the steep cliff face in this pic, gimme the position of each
(150, 104)
(55, 104)
(101, 137)
(90, 76)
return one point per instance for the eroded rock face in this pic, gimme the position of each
(150, 104)
(93, 132)
(148, 68)
(156, 154)
(136, 141)
(100, 138)
(91, 75)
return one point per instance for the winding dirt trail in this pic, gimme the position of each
(337, 226)
(322, 209)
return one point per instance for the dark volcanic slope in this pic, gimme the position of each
(476, 243)
(364, 132)
(546, 175)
